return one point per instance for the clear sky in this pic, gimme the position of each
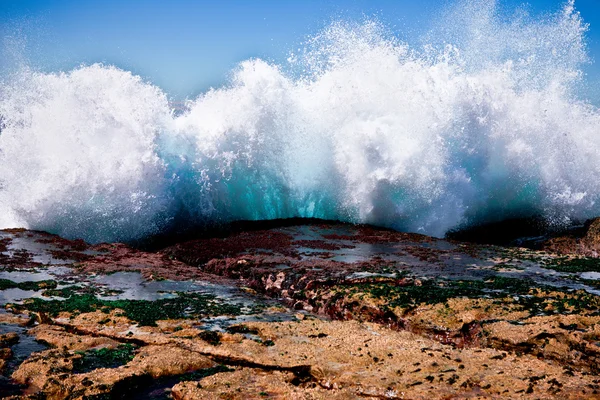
(187, 46)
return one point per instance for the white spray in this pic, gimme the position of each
(479, 124)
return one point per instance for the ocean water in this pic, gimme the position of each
(480, 120)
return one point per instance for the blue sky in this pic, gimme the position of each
(187, 46)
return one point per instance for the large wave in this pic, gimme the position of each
(479, 122)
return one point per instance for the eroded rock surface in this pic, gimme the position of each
(306, 312)
(584, 241)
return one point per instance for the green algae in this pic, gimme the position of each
(67, 291)
(590, 282)
(502, 266)
(438, 291)
(203, 373)
(525, 293)
(72, 290)
(144, 387)
(243, 329)
(29, 285)
(144, 312)
(211, 337)
(104, 358)
(573, 265)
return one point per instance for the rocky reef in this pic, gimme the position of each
(311, 311)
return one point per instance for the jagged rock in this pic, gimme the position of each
(585, 242)
(378, 330)
(41, 368)
(49, 372)
(592, 236)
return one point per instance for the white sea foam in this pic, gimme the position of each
(481, 123)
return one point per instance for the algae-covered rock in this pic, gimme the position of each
(372, 314)
(247, 383)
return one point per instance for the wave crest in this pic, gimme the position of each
(479, 124)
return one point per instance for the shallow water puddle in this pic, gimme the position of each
(21, 350)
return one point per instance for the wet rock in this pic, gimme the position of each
(153, 266)
(50, 372)
(5, 353)
(8, 339)
(111, 383)
(247, 383)
(585, 241)
(58, 337)
(358, 359)
(42, 368)
(316, 359)
(21, 320)
(198, 252)
(168, 360)
(502, 232)
(491, 328)
(592, 235)
(568, 339)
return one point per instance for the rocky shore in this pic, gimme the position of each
(299, 312)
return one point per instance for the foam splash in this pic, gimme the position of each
(479, 124)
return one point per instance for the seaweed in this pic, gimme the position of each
(144, 312)
(29, 285)
(67, 291)
(438, 291)
(571, 265)
(244, 329)
(538, 299)
(211, 337)
(104, 358)
(203, 373)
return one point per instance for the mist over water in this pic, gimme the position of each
(479, 122)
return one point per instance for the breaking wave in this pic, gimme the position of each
(480, 122)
